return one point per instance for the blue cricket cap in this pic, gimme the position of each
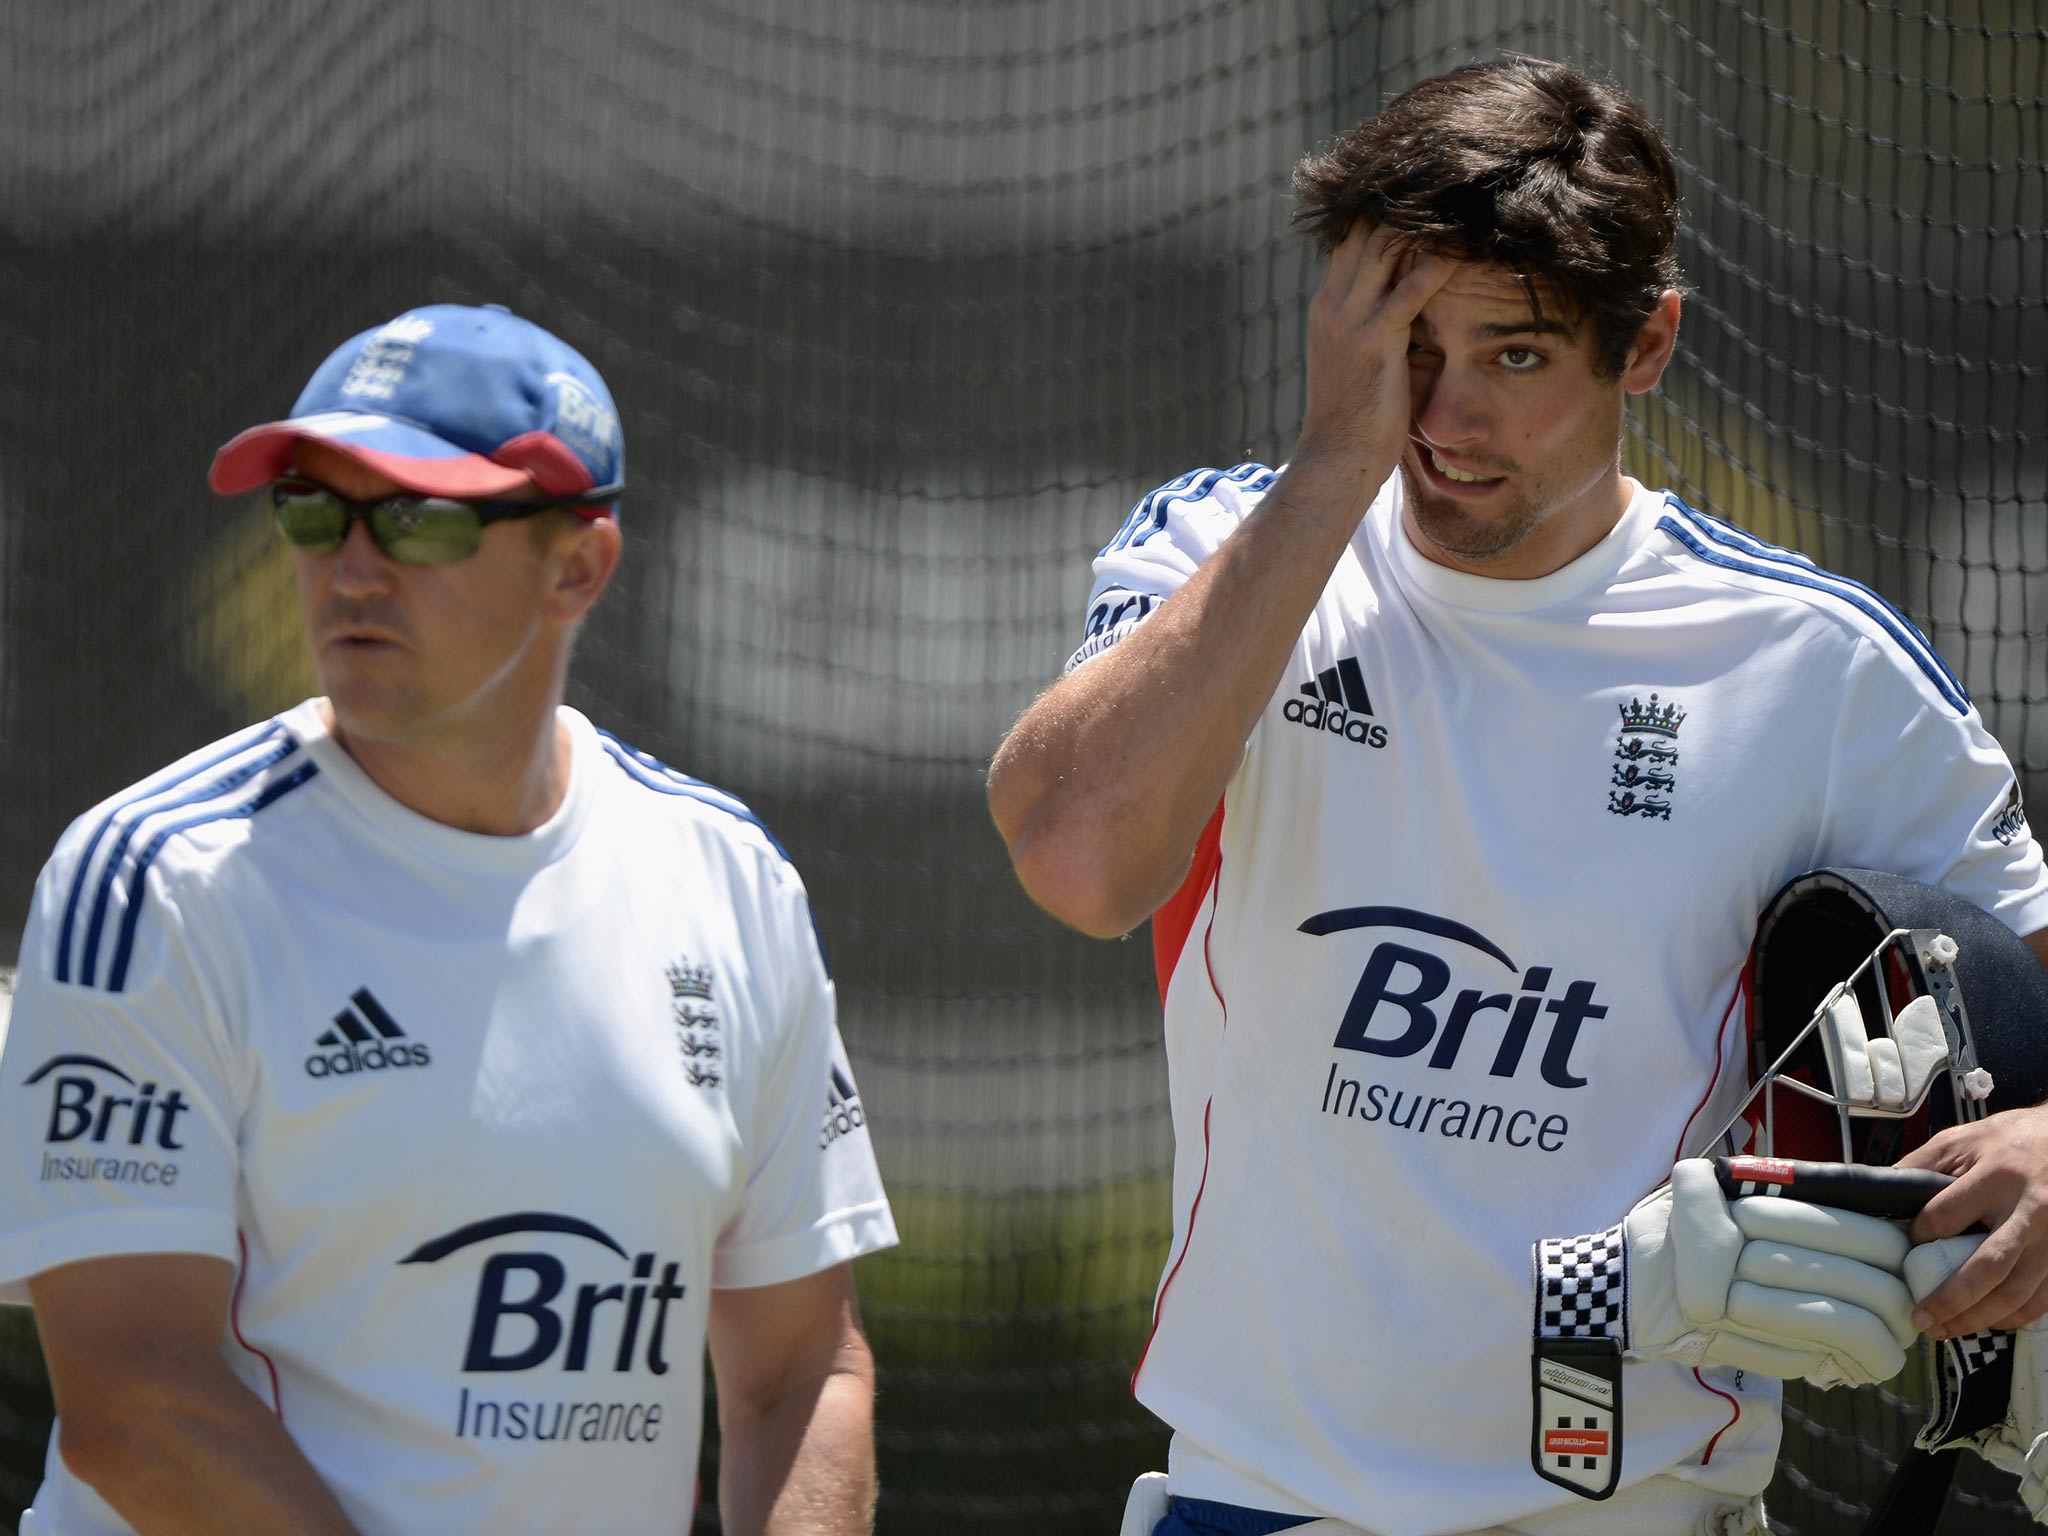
(450, 401)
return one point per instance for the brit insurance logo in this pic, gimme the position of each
(365, 1038)
(1644, 775)
(1409, 1005)
(104, 1127)
(699, 1036)
(1336, 701)
(557, 1294)
(581, 417)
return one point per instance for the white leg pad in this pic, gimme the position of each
(1146, 1506)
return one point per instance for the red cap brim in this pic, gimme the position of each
(403, 454)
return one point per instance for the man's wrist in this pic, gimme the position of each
(1329, 483)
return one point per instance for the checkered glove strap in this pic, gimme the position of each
(1582, 1287)
(1991, 1389)
(1771, 1285)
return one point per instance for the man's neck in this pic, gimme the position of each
(502, 785)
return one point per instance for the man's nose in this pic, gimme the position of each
(359, 565)
(1448, 409)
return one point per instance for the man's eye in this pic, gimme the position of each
(1521, 359)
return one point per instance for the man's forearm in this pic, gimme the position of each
(804, 1465)
(201, 1458)
(1102, 788)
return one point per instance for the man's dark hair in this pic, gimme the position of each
(1555, 176)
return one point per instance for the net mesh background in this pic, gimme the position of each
(904, 303)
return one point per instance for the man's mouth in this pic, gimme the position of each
(1455, 473)
(360, 637)
(1444, 472)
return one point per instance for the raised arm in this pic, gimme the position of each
(151, 1416)
(1102, 786)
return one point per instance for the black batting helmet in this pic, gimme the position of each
(1883, 1010)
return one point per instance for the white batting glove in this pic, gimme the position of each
(1761, 1283)
(1992, 1388)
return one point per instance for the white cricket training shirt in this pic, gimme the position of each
(1457, 969)
(480, 1120)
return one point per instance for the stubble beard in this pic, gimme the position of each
(1447, 525)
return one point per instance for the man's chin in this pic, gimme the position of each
(1456, 531)
(365, 712)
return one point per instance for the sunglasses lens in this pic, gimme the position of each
(310, 518)
(427, 532)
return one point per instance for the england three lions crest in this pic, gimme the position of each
(1644, 774)
(695, 1012)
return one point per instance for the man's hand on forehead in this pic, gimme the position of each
(1357, 420)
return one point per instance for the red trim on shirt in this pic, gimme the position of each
(1176, 916)
(1215, 864)
(235, 1322)
(1734, 1413)
(1739, 995)
(1159, 1306)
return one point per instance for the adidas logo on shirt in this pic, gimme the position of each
(1338, 703)
(355, 1046)
(843, 1114)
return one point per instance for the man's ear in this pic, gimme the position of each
(583, 559)
(1655, 342)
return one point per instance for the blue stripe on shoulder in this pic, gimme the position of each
(1722, 544)
(656, 775)
(1741, 538)
(116, 866)
(652, 773)
(117, 971)
(1149, 515)
(254, 736)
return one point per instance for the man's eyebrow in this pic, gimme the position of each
(1499, 330)
(1530, 327)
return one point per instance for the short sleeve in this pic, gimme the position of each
(1163, 541)
(1918, 786)
(121, 1127)
(812, 1195)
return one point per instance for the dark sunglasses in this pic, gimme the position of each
(413, 530)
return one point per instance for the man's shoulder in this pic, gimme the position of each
(1731, 559)
(232, 779)
(167, 830)
(657, 795)
(1822, 604)
(1223, 497)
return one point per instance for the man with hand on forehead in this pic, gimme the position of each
(1453, 768)
(406, 1088)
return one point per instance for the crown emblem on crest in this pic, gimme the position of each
(1638, 716)
(686, 980)
(407, 330)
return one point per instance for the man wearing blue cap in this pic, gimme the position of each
(406, 1088)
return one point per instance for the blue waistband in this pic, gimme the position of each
(1211, 1519)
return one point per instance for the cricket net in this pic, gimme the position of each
(904, 303)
